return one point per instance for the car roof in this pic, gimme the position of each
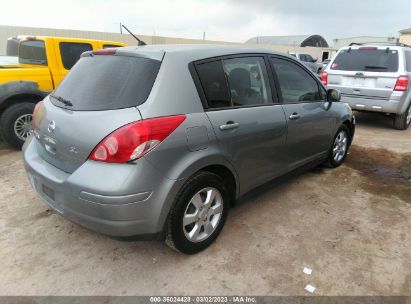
(193, 52)
(380, 47)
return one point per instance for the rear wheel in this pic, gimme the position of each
(339, 149)
(199, 213)
(402, 122)
(15, 123)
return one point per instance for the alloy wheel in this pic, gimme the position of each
(202, 214)
(23, 126)
(340, 146)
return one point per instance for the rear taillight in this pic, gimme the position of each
(134, 140)
(324, 77)
(36, 117)
(401, 84)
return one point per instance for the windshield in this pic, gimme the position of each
(368, 59)
(106, 82)
(32, 52)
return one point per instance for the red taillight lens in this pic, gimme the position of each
(36, 115)
(134, 140)
(324, 77)
(401, 84)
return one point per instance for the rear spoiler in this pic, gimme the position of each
(139, 52)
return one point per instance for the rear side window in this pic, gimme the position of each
(408, 61)
(71, 52)
(214, 84)
(366, 59)
(105, 82)
(296, 84)
(33, 52)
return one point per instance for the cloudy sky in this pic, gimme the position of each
(231, 20)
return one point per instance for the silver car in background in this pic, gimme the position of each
(309, 61)
(373, 78)
(159, 141)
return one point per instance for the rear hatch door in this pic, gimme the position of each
(98, 96)
(369, 72)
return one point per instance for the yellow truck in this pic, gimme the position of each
(42, 64)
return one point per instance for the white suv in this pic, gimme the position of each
(373, 78)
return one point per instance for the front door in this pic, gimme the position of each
(311, 119)
(250, 127)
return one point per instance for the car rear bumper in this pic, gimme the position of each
(94, 198)
(395, 104)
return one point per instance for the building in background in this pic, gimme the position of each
(314, 45)
(405, 36)
(298, 41)
(340, 42)
(11, 31)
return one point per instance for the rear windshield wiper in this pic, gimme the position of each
(66, 102)
(375, 67)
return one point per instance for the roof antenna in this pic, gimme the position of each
(140, 42)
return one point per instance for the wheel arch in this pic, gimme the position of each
(212, 163)
(227, 175)
(20, 91)
(351, 128)
(22, 97)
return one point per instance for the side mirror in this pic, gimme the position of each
(333, 95)
(315, 59)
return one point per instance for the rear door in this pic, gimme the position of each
(369, 72)
(250, 127)
(311, 120)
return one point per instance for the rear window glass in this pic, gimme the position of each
(71, 52)
(104, 82)
(214, 84)
(32, 52)
(366, 60)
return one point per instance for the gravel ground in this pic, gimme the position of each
(351, 225)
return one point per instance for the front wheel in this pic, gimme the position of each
(403, 121)
(15, 123)
(199, 213)
(339, 149)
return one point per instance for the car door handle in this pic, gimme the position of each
(229, 126)
(294, 116)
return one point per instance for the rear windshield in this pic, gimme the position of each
(32, 52)
(105, 82)
(366, 60)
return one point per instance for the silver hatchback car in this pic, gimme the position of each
(373, 78)
(159, 141)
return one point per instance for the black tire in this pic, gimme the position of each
(331, 162)
(7, 120)
(175, 235)
(400, 121)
